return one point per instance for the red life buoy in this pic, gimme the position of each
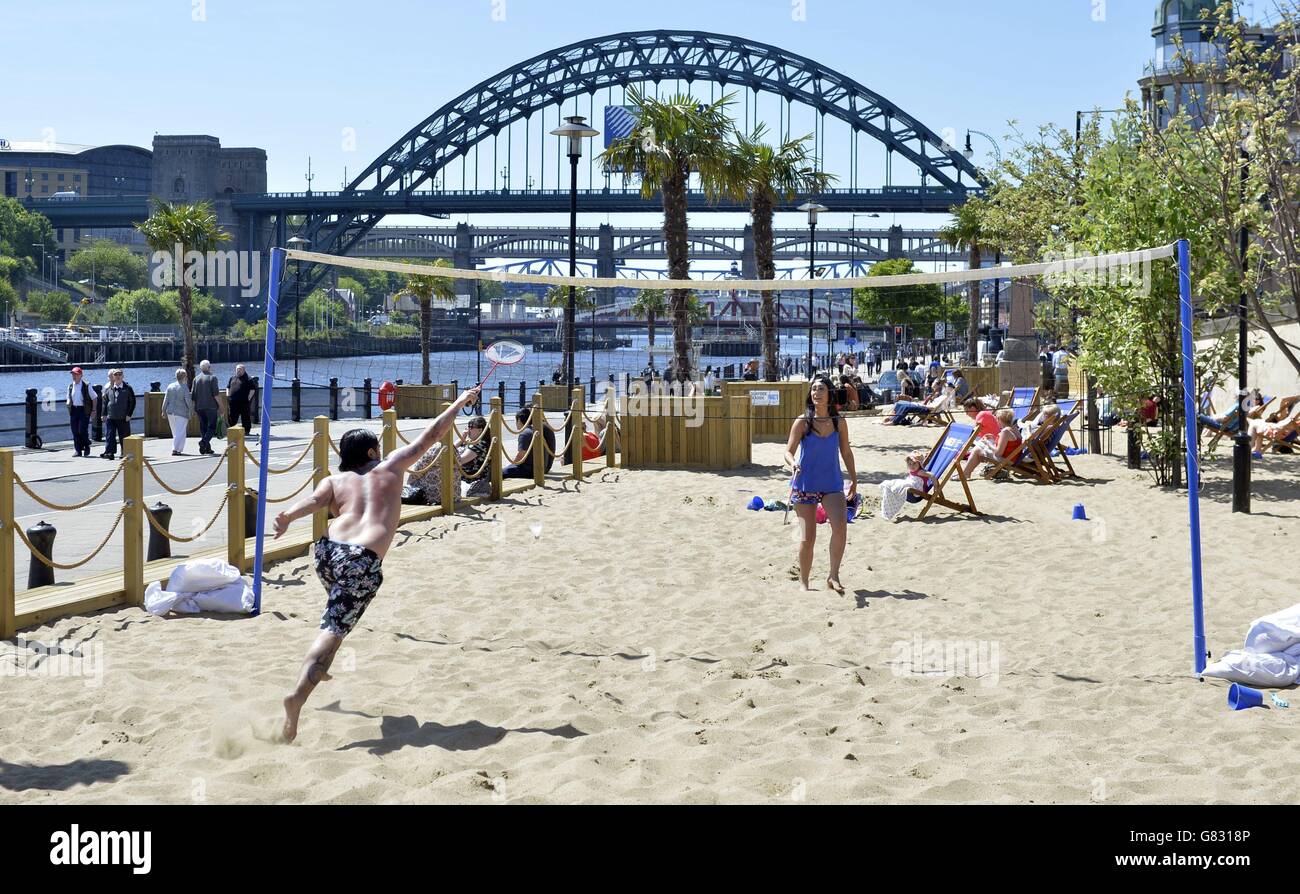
(387, 394)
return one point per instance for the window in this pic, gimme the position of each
(45, 175)
(60, 178)
(44, 189)
(76, 178)
(1171, 12)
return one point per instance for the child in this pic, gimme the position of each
(893, 494)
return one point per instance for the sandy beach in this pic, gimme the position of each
(640, 638)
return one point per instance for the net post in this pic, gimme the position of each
(133, 519)
(1193, 464)
(497, 459)
(295, 388)
(320, 462)
(264, 442)
(334, 398)
(576, 432)
(235, 499)
(538, 447)
(447, 465)
(389, 434)
(7, 525)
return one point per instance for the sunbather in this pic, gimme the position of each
(1276, 432)
(905, 409)
(988, 450)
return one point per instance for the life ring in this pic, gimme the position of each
(387, 395)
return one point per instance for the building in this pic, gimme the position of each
(1166, 87)
(45, 169)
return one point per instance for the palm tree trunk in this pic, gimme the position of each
(426, 324)
(675, 240)
(973, 331)
(761, 213)
(650, 319)
(187, 327)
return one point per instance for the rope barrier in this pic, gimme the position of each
(55, 506)
(486, 432)
(289, 468)
(300, 489)
(184, 493)
(484, 467)
(402, 437)
(514, 431)
(22, 535)
(330, 441)
(176, 537)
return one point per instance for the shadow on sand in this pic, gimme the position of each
(396, 733)
(59, 777)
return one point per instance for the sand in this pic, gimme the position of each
(639, 637)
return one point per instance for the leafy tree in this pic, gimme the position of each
(104, 261)
(765, 175)
(192, 228)
(424, 289)
(966, 232)
(673, 138)
(8, 301)
(153, 307)
(651, 305)
(584, 298)
(923, 304)
(52, 307)
(21, 234)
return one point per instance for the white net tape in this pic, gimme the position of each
(1065, 267)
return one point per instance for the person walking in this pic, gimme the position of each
(239, 394)
(119, 407)
(205, 404)
(178, 407)
(81, 406)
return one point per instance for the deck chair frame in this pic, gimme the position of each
(1029, 450)
(935, 496)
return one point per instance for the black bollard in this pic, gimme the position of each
(593, 389)
(250, 513)
(155, 386)
(501, 392)
(97, 418)
(38, 573)
(33, 437)
(365, 398)
(334, 398)
(159, 546)
(522, 388)
(295, 389)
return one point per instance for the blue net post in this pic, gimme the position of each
(1193, 464)
(268, 376)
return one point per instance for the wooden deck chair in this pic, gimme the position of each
(1053, 447)
(1229, 425)
(1024, 397)
(1028, 462)
(943, 460)
(1068, 407)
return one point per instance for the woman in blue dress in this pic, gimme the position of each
(818, 440)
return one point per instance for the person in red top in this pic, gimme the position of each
(988, 423)
(993, 450)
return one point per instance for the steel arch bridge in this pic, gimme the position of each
(582, 68)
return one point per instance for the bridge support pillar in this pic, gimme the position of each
(895, 249)
(605, 263)
(462, 258)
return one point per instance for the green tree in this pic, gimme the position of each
(672, 139)
(965, 233)
(650, 305)
(22, 232)
(104, 262)
(360, 295)
(923, 304)
(152, 307)
(765, 175)
(52, 307)
(424, 289)
(584, 298)
(193, 228)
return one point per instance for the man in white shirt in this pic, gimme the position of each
(81, 404)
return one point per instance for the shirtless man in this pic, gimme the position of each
(365, 499)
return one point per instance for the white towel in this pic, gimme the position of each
(1271, 656)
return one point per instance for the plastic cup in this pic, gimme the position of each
(1079, 514)
(1242, 697)
(821, 515)
(756, 503)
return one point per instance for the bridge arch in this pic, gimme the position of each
(621, 60)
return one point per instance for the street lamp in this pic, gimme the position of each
(575, 130)
(813, 209)
(969, 151)
(41, 246)
(297, 243)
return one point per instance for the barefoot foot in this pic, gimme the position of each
(834, 584)
(292, 707)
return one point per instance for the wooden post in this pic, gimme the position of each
(133, 522)
(539, 441)
(577, 428)
(235, 500)
(611, 429)
(497, 457)
(7, 525)
(388, 437)
(447, 462)
(320, 461)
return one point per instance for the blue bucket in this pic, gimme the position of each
(756, 503)
(1242, 697)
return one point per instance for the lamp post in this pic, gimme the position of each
(574, 129)
(297, 243)
(1241, 443)
(813, 209)
(41, 246)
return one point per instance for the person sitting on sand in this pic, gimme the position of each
(474, 455)
(987, 450)
(821, 439)
(893, 493)
(846, 396)
(521, 464)
(1276, 432)
(365, 500)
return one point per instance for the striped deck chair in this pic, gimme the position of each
(1053, 445)
(1229, 426)
(1028, 461)
(1068, 407)
(1024, 403)
(943, 460)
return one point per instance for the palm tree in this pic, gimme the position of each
(765, 175)
(650, 304)
(966, 232)
(584, 297)
(672, 139)
(183, 228)
(424, 289)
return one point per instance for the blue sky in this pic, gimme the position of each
(290, 77)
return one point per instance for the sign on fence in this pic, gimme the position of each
(765, 398)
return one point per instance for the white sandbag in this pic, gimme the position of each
(1277, 632)
(1272, 669)
(199, 575)
(236, 598)
(159, 601)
